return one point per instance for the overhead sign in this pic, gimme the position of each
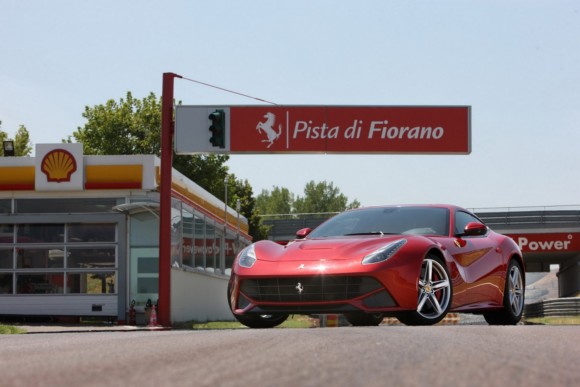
(323, 129)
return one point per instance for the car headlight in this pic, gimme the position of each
(384, 252)
(247, 257)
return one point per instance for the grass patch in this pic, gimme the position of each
(292, 322)
(10, 330)
(573, 320)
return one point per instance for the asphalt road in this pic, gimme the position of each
(347, 356)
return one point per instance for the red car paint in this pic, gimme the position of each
(477, 264)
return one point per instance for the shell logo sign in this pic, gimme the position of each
(59, 167)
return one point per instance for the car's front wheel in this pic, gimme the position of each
(257, 321)
(513, 298)
(435, 292)
(362, 319)
(262, 320)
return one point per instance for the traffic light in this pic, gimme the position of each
(218, 128)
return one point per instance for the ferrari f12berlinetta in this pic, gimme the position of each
(413, 262)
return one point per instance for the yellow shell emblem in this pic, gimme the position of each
(58, 165)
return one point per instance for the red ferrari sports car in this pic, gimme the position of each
(413, 262)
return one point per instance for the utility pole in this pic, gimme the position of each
(167, 129)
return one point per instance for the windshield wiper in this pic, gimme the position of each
(371, 233)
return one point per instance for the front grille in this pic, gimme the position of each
(308, 289)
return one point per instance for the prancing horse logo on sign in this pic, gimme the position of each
(268, 128)
(300, 288)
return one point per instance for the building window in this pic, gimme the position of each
(92, 232)
(58, 258)
(39, 283)
(210, 247)
(6, 233)
(90, 257)
(91, 283)
(176, 232)
(5, 206)
(40, 233)
(6, 258)
(231, 250)
(40, 258)
(187, 238)
(5, 283)
(199, 248)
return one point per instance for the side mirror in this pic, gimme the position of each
(475, 229)
(302, 233)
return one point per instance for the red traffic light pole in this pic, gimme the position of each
(167, 128)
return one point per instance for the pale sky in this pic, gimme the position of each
(516, 63)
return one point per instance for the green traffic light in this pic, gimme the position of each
(218, 128)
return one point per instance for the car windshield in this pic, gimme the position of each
(386, 220)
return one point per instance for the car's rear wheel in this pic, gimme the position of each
(513, 298)
(435, 293)
(364, 319)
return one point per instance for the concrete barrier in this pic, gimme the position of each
(557, 307)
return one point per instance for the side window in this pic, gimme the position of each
(462, 219)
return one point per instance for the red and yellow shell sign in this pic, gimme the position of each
(63, 167)
(58, 165)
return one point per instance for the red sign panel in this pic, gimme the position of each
(348, 129)
(547, 243)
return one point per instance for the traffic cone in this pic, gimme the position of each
(153, 318)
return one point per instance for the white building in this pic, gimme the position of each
(79, 236)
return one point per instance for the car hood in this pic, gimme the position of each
(339, 248)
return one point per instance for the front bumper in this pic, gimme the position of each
(320, 294)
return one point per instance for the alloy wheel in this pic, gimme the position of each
(434, 290)
(516, 290)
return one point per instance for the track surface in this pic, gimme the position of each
(346, 356)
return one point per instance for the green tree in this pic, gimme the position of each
(133, 126)
(278, 201)
(242, 191)
(322, 197)
(130, 126)
(22, 145)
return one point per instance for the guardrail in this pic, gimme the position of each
(564, 215)
(556, 307)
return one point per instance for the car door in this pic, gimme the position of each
(478, 262)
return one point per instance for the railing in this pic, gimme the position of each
(557, 307)
(529, 215)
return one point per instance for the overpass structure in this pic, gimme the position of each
(546, 235)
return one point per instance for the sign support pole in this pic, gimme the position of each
(167, 129)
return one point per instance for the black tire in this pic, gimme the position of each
(261, 321)
(362, 319)
(257, 321)
(513, 298)
(435, 294)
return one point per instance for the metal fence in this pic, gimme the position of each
(557, 307)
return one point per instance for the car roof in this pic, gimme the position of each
(448, 206)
